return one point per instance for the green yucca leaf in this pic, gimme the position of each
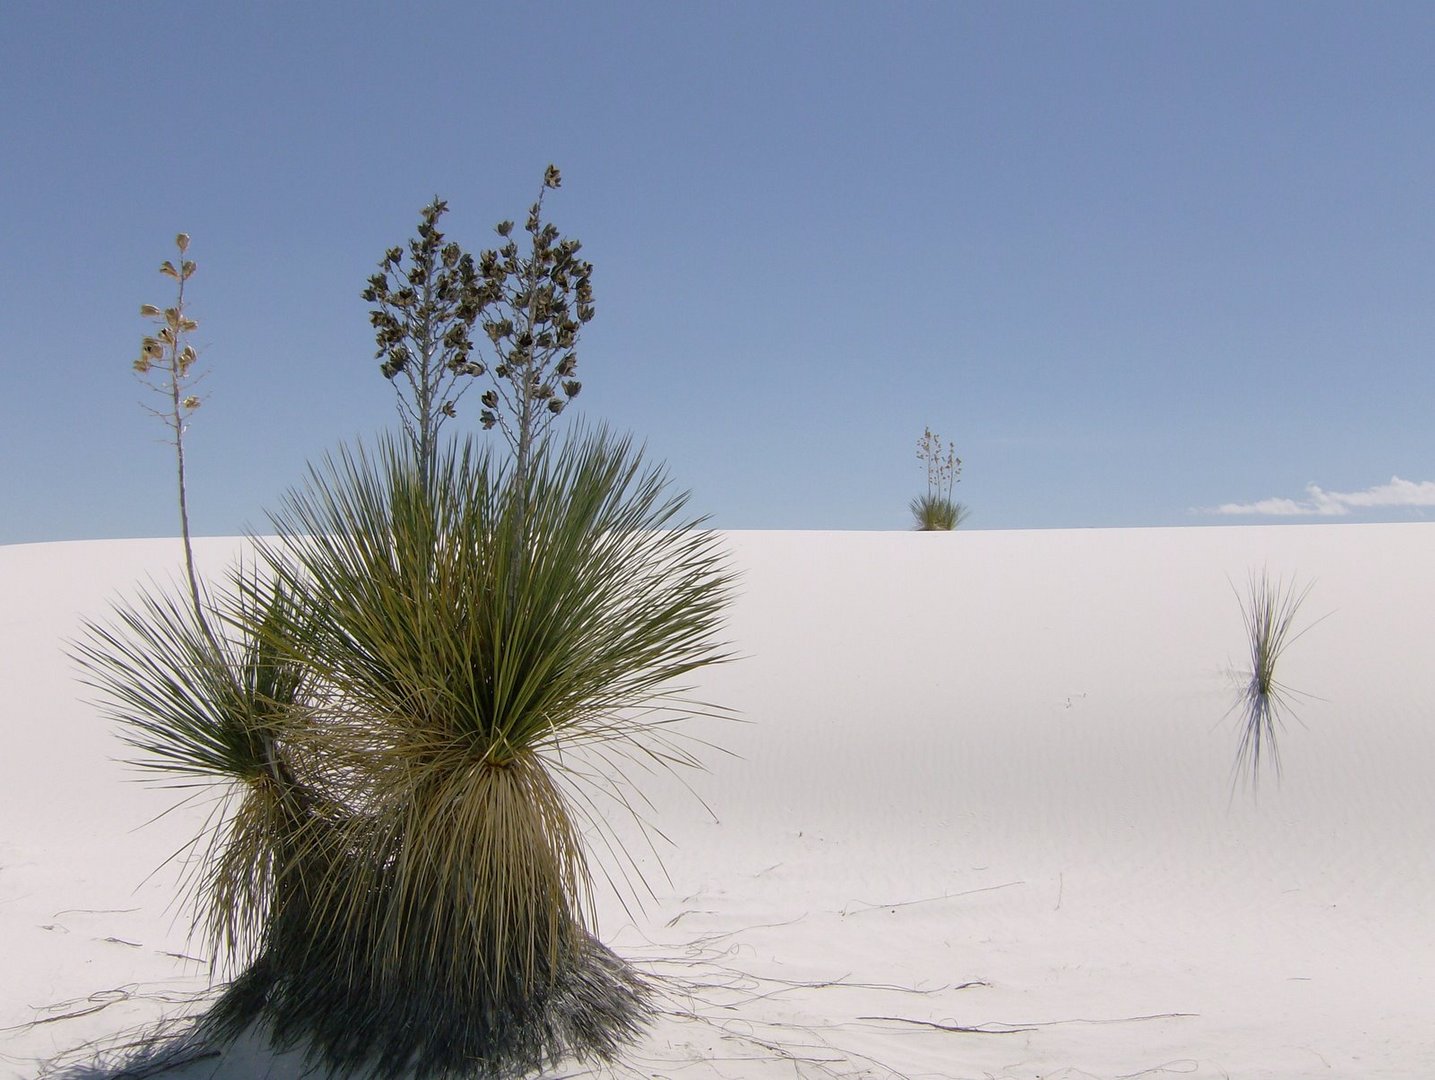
(192, 706)
(200, 706)
(501, 618)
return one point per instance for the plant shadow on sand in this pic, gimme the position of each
(705, 1009)
(718, 1011)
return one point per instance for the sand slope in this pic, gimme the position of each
(981, 781)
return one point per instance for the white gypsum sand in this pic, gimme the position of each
(982, 781)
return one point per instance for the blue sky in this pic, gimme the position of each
(1145, 264)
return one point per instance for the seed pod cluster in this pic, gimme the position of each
(165, 358)
(539, 301)
(424, 314)
(529, 305)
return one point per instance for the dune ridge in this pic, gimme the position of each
(979, 780)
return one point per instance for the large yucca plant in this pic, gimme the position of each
(425, 697)
(484, 658)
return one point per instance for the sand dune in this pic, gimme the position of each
(980, 780)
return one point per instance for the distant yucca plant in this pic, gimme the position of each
(482, 656)
(936, 511)
(1269, 611)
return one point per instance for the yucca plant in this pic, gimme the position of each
(427, 693)
(1269, 611)
(486, 659)
(936, 511)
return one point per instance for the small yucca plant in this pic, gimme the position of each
(936, 511)
(486, 659)
(1269, 611)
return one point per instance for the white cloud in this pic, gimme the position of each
(1266, 507)
(1321, 503)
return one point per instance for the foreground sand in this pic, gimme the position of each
(981, 782)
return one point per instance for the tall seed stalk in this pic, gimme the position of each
(540, 302)
(422, 325)
(943, 466)
(165, 364)
(531, 306)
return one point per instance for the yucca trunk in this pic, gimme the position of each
(453, 946)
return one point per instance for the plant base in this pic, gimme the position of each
(396, 1028)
